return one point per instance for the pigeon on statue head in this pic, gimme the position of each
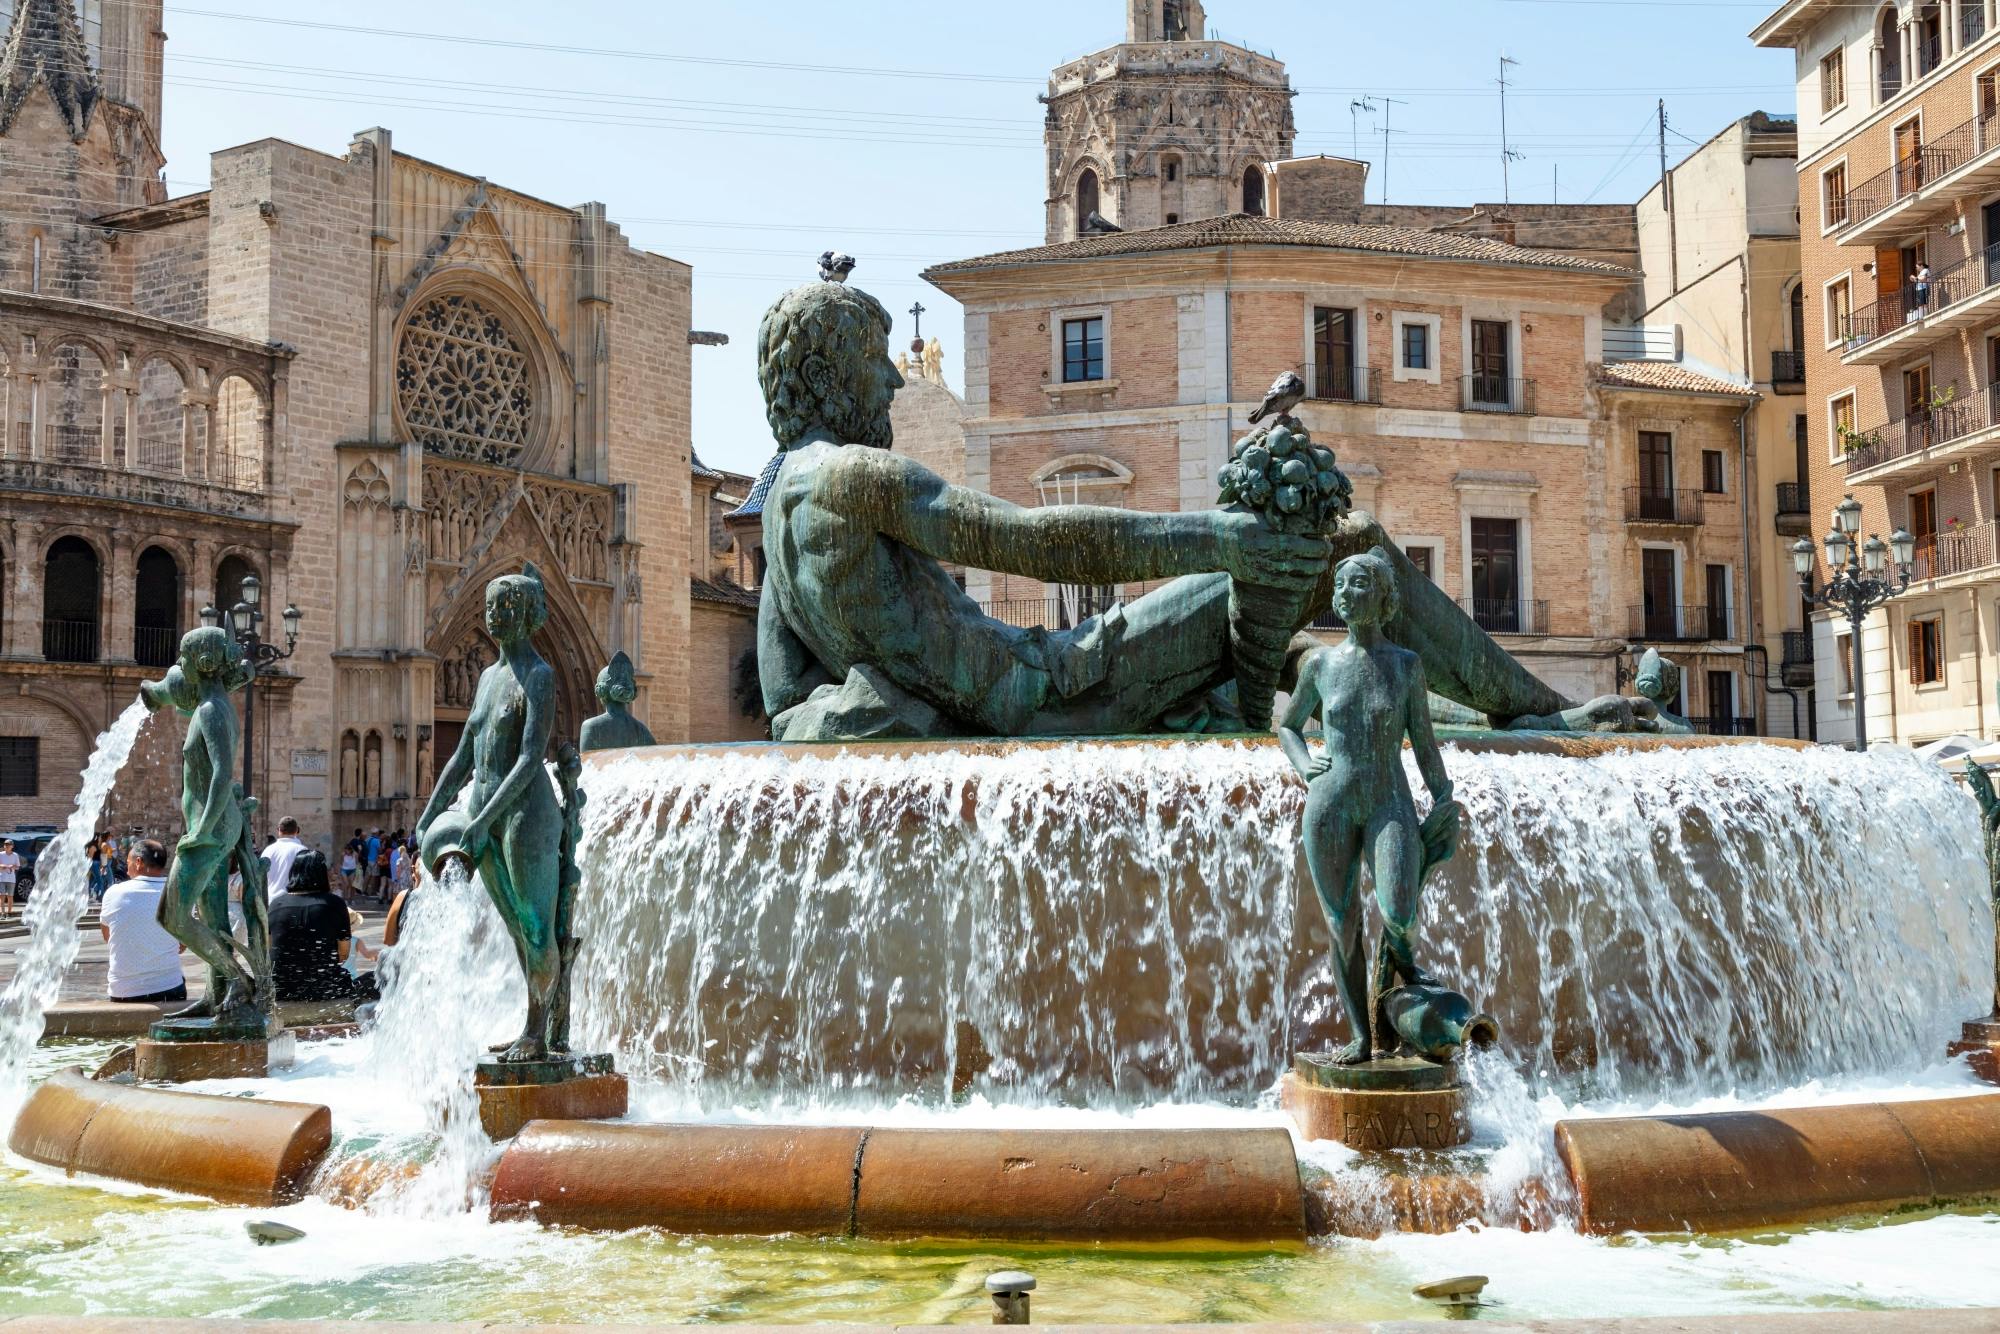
(1286, 393)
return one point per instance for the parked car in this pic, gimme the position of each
(29, 841)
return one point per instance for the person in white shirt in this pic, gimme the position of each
(145, 960)
(284, 850)
(10, 867)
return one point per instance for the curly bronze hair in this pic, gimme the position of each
(807, 346)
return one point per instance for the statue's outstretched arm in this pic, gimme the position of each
(1075, 544)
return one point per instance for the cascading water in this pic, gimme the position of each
(62, 892)
(1083, 923)
(450, 988)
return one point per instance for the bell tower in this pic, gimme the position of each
(79, 130)
(1165, 21)
(1166, 127)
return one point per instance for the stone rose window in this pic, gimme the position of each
(465, 382)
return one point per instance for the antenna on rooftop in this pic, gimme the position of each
(1387, 102)
(1507, 154)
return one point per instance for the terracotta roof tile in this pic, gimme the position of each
(1243, 230)
(714, 590)
(1669, 376)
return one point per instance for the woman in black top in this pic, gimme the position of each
(311, 937)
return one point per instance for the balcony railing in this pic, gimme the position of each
(1056, 613)
(1724, 725)
(155, 646)
(1798, 649)
(1645, 504)
(1497, 393)
(1508, 616)
(1918, 431)
(1678, 625)
(1971, 23)
(1346, 384)
(69, 641)
(1930, 54)
(1940, 156)
(1961, 281)
(1794, 498)
(1788, 368)
(1957, 551)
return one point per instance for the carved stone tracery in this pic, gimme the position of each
(465, 381)
(458, 675)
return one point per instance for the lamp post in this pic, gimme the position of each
(244, 618)
(1857, 583)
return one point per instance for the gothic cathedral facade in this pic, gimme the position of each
(368, 380)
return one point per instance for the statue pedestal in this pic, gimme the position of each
(565, 1088)
(1980, 1044)
(183, 1061)
(1397, 1102)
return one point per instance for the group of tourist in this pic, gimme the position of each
(315, 949)
(377, 866)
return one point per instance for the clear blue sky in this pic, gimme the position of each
(910, 134)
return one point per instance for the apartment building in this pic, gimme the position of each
(1719, 248)
(1458, 379)
(1899, 198)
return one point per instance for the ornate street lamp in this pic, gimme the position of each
(1855, 584)
(244, 618)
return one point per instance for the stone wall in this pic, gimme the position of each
(929, 422)
(719, 637)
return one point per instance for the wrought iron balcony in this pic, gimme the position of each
(1788, 370)
(1724, 725)
(1679, 625)
(1971, 23)
(1796, 663)
(1055, 613)
(69, 641)
(1346, 384)
(155, 646)
(1679, 506)
(1508, 616)
(1497, 393)
(1959, 550)
(1949, 420)
(1793, 515)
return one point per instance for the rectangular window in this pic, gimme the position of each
(1718, 601)
(1840, 423)
(1923, 526)
(1722, 702)
(1656, 476)
(1083, 349)
(1839, 311)
(1658, 586)
(1833, 80)
(1714, 473)
(1492, 364)
(1421, 558)
(1333, 353)
(1833, 197)
(1416, 347)
(1496, 575)
(1843, 663)
(1926, 652)
(20, 766)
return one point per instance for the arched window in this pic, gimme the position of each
(1253, 191)
(1086, 200)
(1889, 43)
(236, 455)
(162, 409)
(70, 583)
(74, 391)
(229, 583)
(156, 609)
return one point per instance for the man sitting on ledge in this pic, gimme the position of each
(861, 632)
(145, 960)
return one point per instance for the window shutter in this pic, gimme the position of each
(1916, 631)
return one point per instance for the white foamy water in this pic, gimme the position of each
(62, 892)
(1122, 925)
(450, 989)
